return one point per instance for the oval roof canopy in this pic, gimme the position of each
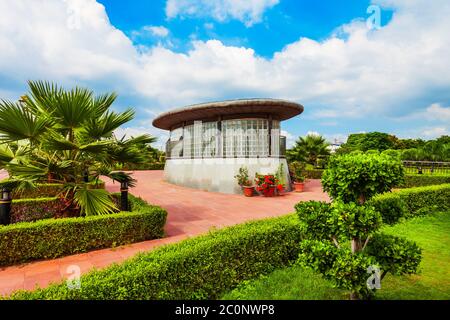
(229, 109)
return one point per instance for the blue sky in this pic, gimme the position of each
(161, 54)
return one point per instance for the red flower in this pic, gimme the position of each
(280, 187)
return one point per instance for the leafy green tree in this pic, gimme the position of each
(66, 136)
(309, 149)
(343, 238)
(358, 177)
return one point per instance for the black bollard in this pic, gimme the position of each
(124, 196)
(5, 207)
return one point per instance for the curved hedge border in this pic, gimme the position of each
(410, 202)
(421, 180)
(200, 267)
(52, 238)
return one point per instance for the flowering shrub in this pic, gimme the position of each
(267, 184)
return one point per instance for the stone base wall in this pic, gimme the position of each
(217, 174)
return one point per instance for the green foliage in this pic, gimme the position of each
(296, 170)
(200, 267)
(313, 174)
(410, 202)
(52, 238)
(395, 254)
(26, 210)
(421, 180)
(46, 190)
(309, 149)
(391, 207)
(406, 203)
(66, 137)
(358, 177)
(242, 177)
(346, 270)
(280, 174)
(368, 141)
(314, 220)
(396, 154)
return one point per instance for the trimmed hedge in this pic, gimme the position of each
(421, 180)
(47, 190)
(313, 174)
(200, 267)
(52, 238)
(26, 210)
(410, 202)
(143, 166)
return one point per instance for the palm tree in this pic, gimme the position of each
(66, 136)
(309, 149)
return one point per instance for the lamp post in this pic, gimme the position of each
(124, 196)
(5, 207)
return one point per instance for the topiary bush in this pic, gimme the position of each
(52, 238)
(358, 177)
(200, 267)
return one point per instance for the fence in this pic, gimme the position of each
(427, 167)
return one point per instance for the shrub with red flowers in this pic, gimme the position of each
(267, 184)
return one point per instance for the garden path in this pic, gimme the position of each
(190, 212)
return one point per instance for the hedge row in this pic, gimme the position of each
(200, 267)
(52, 238)
(47, 190)
(27, 210)
(143, 166)
(421, 180)
(313, 174)
(410, 202)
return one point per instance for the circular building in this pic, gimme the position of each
(209, 142)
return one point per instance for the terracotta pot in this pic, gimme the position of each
(299, 186)
(248, 191)
(269, 192)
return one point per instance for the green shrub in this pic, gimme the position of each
(47, 190)
(26, 210)
(313, 174)
(51, 238)
(410, 202)
(421, 180)
(358, 177)
(391, 207)
(345, 270)
(200, 267)
(395, 254)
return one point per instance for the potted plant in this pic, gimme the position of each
(244, 182)
(267, 184)
(296, 173)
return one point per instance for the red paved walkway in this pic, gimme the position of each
(191, 212)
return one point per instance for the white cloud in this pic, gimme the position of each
(399, 68)
(247, 11)
(434, 132)
(156, 31)
(437, 112)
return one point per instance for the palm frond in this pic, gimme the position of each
(95, 147)
(18, 123)
(102, 103)
(94, 201)
(121, 176)
(97, 128)
(17, 184)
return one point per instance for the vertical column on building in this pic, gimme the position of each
(270, 135)
(219, 148)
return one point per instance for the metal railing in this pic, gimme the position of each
(174, 150)
(426, 167)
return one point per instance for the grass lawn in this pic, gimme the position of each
(432, 234)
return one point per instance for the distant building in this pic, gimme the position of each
(209, 142)
(334, 146)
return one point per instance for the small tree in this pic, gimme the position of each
(309, 149)
(343, 238)
(358, 177)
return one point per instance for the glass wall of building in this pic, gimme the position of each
(237, 138)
